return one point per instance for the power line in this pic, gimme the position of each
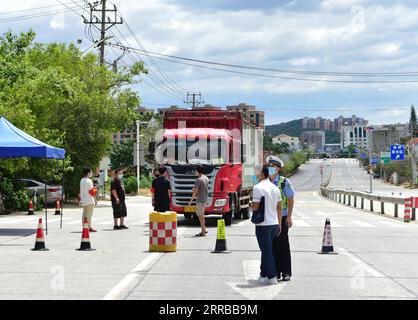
(304, 72)
(160, 86)
(274, 76)
(168, 78)
(34, 9)
(168, 85)
(37, 15)
(164, 79)
(153, 77)
(88, 32)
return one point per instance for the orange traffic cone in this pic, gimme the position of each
(40, 241)
(57, 208)
(327, 246)
(85, 238)
(30, 210)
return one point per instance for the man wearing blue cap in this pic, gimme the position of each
(281, 247)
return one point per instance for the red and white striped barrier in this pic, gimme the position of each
(408, 209)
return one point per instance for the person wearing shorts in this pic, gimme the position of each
(87, 197)
(118, 200)
(201, 194)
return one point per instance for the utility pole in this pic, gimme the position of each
(369, 136)
(193, 101)
(102, 32)
(99, 16)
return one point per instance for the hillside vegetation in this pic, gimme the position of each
(294, 128)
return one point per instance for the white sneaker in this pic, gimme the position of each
(272, 281)
(262, 280)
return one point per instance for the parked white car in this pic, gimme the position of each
(54, 193)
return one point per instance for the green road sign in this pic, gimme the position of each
(385, 157)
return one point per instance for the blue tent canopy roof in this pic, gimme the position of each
(14, 143)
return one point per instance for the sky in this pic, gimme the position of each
(343, 36)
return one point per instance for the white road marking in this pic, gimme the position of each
(322, 214)
(362, 264)
(22, 219)
(105, 223)
(140, 222)
(251, 289)
(393, 224)
(336, 225)
(363, 224)
(75, 222)
(301, 224)
(343, 212)
(115, 293)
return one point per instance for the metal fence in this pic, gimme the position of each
(357, 199)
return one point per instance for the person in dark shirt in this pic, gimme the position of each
(161, 192)
(156, 173)
(118, 200)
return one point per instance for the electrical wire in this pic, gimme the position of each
(303, 72)
(168, 85)
(34, 9)
(37, 15)
(274, 76)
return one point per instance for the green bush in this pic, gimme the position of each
(13, 195)
(21, 200)
(131, 185)
(146, 182)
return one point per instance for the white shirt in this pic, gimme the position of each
(85, 186)
(271, 197)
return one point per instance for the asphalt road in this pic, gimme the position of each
(376, 258)
(348, 175)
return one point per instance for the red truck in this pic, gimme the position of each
(226, 145)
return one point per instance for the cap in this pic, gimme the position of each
(275, 160)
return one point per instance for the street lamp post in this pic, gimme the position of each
(151, 124)
(138, 170)
(370, 159)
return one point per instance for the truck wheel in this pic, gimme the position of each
(188, 215)
(236, 213)
(245, 213)
(228, 218)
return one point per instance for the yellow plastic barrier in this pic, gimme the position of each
(163, 231)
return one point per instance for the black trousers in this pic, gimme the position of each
(281, 251)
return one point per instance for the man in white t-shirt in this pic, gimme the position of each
(87, 196)
(270, 228)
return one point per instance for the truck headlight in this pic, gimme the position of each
(220, 202)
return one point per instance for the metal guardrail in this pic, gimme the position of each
(345, 196)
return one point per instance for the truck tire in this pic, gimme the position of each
(228, 218)
(236, 213)
(245, 213)
(187, 216)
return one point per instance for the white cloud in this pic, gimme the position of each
(329, 36)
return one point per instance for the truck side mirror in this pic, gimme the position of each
(151, 147)
(243, 153)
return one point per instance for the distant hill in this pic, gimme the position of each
(294, 128)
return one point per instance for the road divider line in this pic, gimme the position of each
(393, 224)
(363, 224)
(362, 264)
(115, 292)
(301, 224)
(322, 214)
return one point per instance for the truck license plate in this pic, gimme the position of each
(190, 209)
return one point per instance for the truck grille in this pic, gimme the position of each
(182, 180)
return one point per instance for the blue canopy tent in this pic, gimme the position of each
(15, 143)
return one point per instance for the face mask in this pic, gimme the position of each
(272, 170)
(120, 176)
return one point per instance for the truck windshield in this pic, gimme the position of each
(198, 151)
